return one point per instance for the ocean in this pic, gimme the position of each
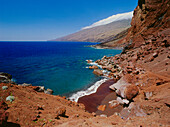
(60, 66)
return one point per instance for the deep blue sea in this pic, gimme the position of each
(60, 66)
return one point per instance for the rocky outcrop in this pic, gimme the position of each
(5, 78)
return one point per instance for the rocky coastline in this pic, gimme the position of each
(136, 94)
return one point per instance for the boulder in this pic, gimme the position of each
(48, 91)
(125, 89)
(61, 111)
(89, 61)
(113, 70)
(103, 115)
(41, 89)
(4, 87)
(102, 107)
(151, 58)
(25, 84)
(147, 95)
(122, 101)
(93, 67)
(131, 91)
(10, 98)
(155, 54)
(98, 72)
(113, 104)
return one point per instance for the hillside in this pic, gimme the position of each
(99, 33)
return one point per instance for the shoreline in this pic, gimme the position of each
(95, 99)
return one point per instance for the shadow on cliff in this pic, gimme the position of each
(10, 124)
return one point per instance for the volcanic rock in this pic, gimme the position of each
(125, 89)
(61, 111)
(113, 104)
(93, 67)
(102, 107)
(48, 91)
(98, 72)
(89, 61)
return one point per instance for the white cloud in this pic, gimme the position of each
(110, 19)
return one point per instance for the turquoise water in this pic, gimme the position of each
(60, 66)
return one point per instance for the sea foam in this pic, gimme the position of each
(89, 91)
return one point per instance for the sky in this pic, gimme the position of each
(40, 20)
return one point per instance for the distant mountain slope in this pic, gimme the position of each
(99, 33)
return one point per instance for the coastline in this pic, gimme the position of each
(93, 100)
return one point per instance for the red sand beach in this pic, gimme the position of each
(102, 96)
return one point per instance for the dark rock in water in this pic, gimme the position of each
(89, 61)
(98, 72)
(93, 67)
(48, 91)
(8, 76)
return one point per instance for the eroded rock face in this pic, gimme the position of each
(150, 18)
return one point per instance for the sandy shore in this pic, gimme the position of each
(102, 96)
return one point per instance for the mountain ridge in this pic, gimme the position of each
(99, 33)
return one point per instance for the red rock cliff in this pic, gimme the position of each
(151, 18)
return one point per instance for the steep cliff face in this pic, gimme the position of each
(151, 18)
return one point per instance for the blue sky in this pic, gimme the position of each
(49, 19)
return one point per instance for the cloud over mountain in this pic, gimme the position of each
(110, 19)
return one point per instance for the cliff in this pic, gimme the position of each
(150, 19)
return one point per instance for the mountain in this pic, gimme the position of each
(102, 30)
(150, 19)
